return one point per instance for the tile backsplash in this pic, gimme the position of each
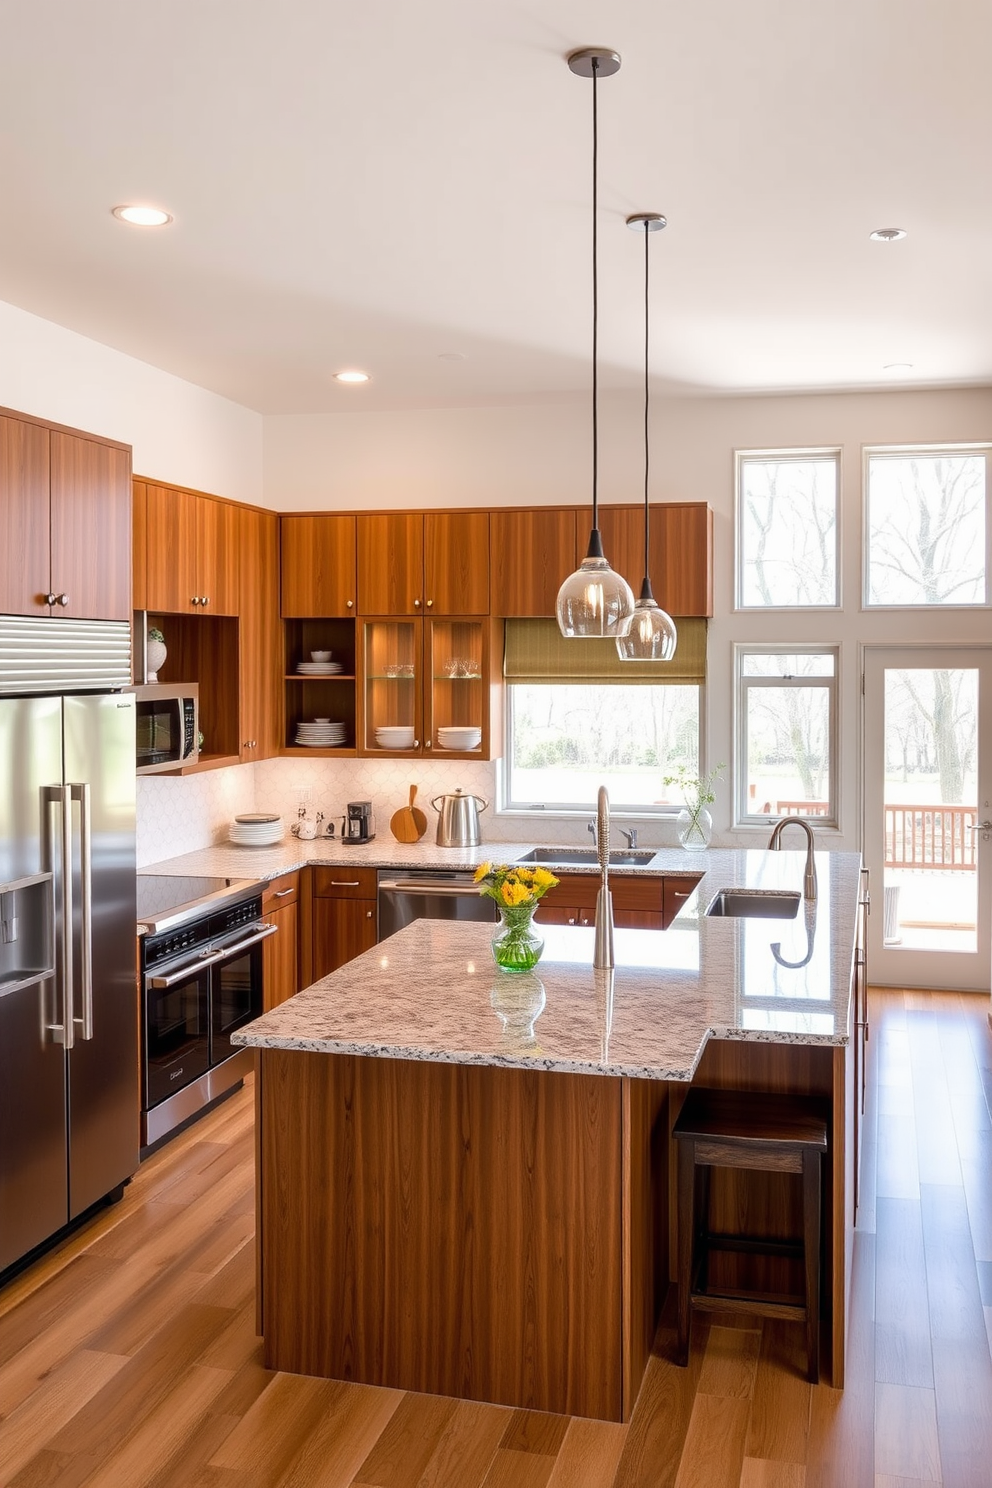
(179, 815)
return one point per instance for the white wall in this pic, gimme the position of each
(179, 432)
(520, 456)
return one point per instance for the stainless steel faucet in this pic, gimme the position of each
(602, 957)
(592, 828)
(631, 835)
(774, 845)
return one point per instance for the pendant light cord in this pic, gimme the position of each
(646, 587)
(595, 307)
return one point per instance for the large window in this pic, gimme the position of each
(925, 528)
(565, 740)
(786, 733)
(787, 529)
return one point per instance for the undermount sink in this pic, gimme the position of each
(564, 857)
(756, 904)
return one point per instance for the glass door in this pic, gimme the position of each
(928, 815)
(392, 719)
(457, 691)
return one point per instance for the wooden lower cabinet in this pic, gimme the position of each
(639, 903)
(280, 953)
(344, 921)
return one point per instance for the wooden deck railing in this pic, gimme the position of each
(930, 837)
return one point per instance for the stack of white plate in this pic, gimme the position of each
(256, 829)
(460, 737)
(319, 668)
(322, 733)
(394, 736)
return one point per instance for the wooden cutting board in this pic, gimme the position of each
(409, 823)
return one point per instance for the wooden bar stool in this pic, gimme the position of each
(759, 1132)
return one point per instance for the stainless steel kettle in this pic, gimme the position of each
(458, 819)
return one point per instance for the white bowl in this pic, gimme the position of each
(321, 655)
(397, 737)
(459, 738)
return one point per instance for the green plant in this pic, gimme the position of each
(697, 790)
(154, 634)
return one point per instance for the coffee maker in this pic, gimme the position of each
(359, 824)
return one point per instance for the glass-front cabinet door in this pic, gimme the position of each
(456, 667)
(393, 712)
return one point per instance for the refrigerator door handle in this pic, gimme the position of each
(80, 791)
(61, 795)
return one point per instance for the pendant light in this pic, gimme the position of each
(594, 601)
(652, 635)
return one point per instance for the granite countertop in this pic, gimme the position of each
(432, 991)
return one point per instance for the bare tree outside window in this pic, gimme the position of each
(787, 531)
(787, 705)
(926, 529)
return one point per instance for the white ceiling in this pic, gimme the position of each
(385, 184)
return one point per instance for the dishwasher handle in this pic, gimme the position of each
(429, 886)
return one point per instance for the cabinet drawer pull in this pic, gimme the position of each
(281, 893)
(681, 893)
(345, 883)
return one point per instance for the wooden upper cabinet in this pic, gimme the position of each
(192, 553)
(319, 567)
(456, 562)
(532, 552)
(259, 638)
(681, 552)
(139, 545)
(25, 542)
(171, 549)
(217, 581)
(91, 528)
(391, 563)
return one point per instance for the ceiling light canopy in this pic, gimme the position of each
(887, 234)
(652, 635)
(352, 375)
(594, 601)
(143, 216)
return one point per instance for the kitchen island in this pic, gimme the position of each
(464, 1177)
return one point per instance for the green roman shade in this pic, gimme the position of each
(537, 652)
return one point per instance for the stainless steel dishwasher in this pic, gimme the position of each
(422, 894)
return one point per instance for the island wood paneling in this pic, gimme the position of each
(645, 1236)
(447, 1228)
(25, 558)
(319, 568)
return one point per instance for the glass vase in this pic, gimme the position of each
(694, 828)
(516, 944)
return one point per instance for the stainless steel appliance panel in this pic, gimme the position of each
(406, 897)
(33, 1183)
(103, 1061)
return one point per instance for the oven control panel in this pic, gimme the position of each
(169, 944)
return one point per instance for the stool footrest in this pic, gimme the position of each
(753, 1245)
(760, 1303)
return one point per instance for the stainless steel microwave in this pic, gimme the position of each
(167, 726)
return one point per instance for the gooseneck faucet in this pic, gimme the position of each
(774, 845)
(602, 957)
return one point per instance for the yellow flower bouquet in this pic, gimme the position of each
(517, 893)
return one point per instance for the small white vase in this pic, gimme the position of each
(155, 654)
(694, 828)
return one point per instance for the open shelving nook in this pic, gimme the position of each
(308, 697)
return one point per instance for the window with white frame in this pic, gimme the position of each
(787, 529)
(564, 740)
(926, 533)
(786, 733)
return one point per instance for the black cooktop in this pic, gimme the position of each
(167, 900)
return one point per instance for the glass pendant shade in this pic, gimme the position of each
(594, 601)
(652, 635)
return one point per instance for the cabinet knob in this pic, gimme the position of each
(416, 604)
(194, 599)
(430, 604)
(349, 604)
(571, 919)
(369, 913)
(416, 743)
(51, 599)
(205, 600)
(63, 600)
(250, 744)
(427, 744)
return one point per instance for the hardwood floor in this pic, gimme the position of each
(129, 1356)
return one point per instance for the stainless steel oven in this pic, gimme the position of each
(202, 980)
(422, 894)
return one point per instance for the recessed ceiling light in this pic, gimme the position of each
(352, 377)
(897, 367)
(143, 216)
(887, 234)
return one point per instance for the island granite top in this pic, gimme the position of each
(433, 992)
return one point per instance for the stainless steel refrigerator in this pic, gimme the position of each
(68, 1009)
